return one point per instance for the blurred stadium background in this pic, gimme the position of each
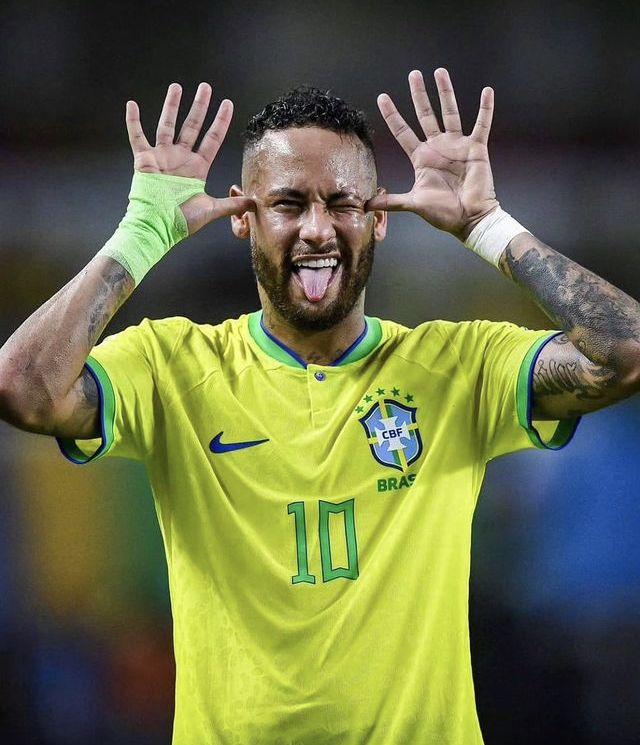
(85, 627)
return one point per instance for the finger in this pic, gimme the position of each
(168, 115)
(137, 140)
(424, 110)
(203, 209)
(403, 133)
(448, 104)
(216, 133)
(198, 111)
(482, 126)
(233, 206)
(389, 203)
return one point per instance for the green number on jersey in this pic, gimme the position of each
(297, 509)
(329, 572)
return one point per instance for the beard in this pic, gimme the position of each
(276, 282)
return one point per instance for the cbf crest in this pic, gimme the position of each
(392, 429)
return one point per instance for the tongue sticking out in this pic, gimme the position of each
(314, 282)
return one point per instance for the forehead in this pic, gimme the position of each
(308, 159)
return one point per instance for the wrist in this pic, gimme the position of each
(466, 231)
(153, 223)
(492, 234)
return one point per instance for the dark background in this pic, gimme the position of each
(85, 628)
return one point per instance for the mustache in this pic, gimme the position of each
(304, 249)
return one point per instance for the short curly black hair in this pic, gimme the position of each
(307, 106)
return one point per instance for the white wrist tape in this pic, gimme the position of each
(493, 234)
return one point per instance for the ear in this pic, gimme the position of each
(380, 219)
(239, 223)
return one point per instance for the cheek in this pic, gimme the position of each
(275, 236)
(356, 228)
(272, 225)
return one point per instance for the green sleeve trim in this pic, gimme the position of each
(524, 393)
(107, 408)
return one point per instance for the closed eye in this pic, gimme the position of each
(345, 207)
(288, 204)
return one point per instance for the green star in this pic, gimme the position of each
(395, 391)
(408, 398)
(368, 398)
(359, 409)
(380, 391)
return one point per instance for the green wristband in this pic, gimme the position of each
(153, 223)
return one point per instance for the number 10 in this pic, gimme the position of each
(329, 572)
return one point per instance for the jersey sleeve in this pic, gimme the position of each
(126, 368)
(503, 359)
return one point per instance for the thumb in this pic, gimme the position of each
(203, 209)
(389, 203)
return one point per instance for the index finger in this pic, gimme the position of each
(216, 133)
(403, 133)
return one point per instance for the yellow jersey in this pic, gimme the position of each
(317, 518)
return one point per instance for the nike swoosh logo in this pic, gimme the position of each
(217, 446)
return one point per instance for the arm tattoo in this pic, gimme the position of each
(599, 319)
(49, 389)
(117, 284)
(601, 323)
(559, 377)
(90, 395)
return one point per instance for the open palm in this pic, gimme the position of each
(453, 186)
(175, 156)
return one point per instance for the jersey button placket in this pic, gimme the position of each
(321, 393)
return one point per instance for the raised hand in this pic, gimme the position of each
(175, 156)
(453, 186)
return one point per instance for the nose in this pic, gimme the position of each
(317, 227)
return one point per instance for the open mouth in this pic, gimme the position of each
(315, 273)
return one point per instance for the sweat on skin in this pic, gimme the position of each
(324, 202)
(318, 181)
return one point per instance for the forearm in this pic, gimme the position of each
(601, 321)
(43, 359)
(43, 387)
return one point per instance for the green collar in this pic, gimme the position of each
(361, 347)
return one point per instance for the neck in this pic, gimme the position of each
(316, 347)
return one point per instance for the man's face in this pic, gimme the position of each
(312, 243)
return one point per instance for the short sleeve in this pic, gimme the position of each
(126, 378)
(506, 358)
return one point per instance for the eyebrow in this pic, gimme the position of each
(344, 195)
(288, 193)
(285, 191)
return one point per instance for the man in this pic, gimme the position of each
(315, 471)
